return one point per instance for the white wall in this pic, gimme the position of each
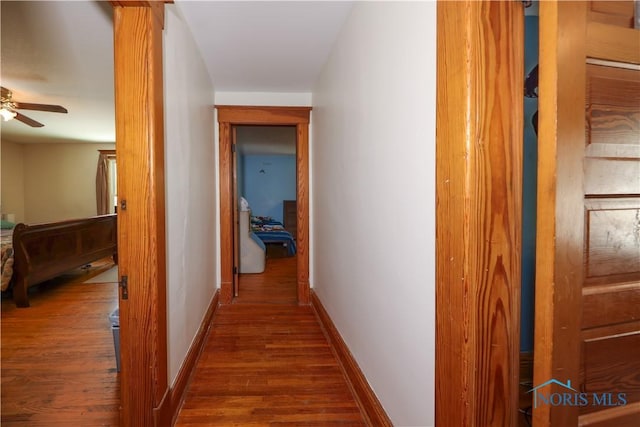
(272, 99)
(374, 199)
(12, 180)
(191, 187)
(60, 180)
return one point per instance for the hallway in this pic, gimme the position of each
(267, 362)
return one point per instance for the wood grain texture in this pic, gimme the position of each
(478, 211)
(229, 116)
(188, 367)
(613, 43)
(302, 194)
(623, 416)
(610, 12)
(141, 237)
(226, 214)
(277, 285)
(255, 115)
(560, 198)
(268, 364)
(370, 406)
(58, 365)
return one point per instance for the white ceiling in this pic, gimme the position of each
(61, 52)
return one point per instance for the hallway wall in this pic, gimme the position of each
(189, 164)
(373, 199)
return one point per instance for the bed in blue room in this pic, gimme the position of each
(273, 232)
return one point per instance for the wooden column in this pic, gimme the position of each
(480, 80)
(226, 215)
(302, 191)
(141, 223)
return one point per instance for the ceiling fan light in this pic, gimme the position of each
(7, 114)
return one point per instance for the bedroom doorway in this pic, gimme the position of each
(229, 118)
(265, 187)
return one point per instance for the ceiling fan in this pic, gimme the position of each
(8, 109)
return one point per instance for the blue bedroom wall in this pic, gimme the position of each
(267, 180)
(529, 189)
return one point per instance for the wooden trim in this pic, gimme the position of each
(559, 261)
(229, 116)
(156, 7)
(622, 416)
(613, 43)
(255, 115)
(108, 152)
(141, 226)
(302, 194)
(480, 76)
(226, 215)
(370, 406)
(189, 364)
(162, 412)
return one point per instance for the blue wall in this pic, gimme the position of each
(529, 188)
(265, 181)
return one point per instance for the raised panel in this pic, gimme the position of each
(612, 371)
(613, 237)
(613, 43)
(606, 305)
(612, 176)
(613, 106)
(619, 13)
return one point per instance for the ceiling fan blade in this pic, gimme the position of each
(40, 107)
(28, 121)
(4, 92)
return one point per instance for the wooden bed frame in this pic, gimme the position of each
(44, 251)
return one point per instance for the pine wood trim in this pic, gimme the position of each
(141, 226)
(226, 215)
(613, 43)
(480, 77)
(622, 416)
(370, 406)
(302, 194)
(562, 83)
(256, 115)
(189, 364)
(229, 116)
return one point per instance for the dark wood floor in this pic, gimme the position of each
(58, 362)
(267, 363)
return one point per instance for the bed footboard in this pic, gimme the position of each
(44, 251)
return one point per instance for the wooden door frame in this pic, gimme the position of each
(138, 72)
(559, 262)
(232, 115)
(479, 122)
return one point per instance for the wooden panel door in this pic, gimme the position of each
(588, 271)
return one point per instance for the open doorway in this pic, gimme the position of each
(265, 183)
(229, 117)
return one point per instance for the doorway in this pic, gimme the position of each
(228, 118)
(265, 191)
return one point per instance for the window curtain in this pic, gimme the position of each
(102, 184)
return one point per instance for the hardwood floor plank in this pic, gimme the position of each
(58, 361)
(267, 363)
